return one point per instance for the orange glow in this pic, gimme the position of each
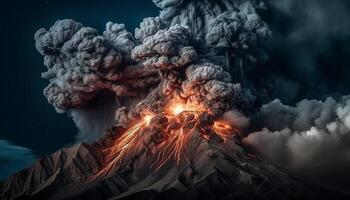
(183, 123)
(122, 145)
(147, 119)
(177, 141)
(223, 129)
(177, 107)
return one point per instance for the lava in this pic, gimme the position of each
(176, 107)
(223, 129)
(122, 145)
(183, 121)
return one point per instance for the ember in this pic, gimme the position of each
(183, 121)
(176, 107)
(115, 153)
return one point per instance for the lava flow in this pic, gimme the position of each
(122, 145)
(183, 120)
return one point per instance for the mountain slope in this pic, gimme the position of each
(213, 170)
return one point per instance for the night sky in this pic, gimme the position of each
(310, 49)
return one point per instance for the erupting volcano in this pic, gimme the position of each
(161, 112)
(179, 121)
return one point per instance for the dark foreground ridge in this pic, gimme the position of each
(215, 170)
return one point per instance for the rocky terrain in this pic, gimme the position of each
(214, 170)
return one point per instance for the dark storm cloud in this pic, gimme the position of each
(13, 158)
(311, 140)
(310, 46)
(309, 58)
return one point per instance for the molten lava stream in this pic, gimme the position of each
(175, 147)
(182, 121)
(223, 129)
(177, 139)
(128, 139)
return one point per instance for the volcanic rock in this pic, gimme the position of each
(213, 169)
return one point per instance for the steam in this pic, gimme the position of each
(101, 111)
(13, 158)
(236, 119)
(311, 140)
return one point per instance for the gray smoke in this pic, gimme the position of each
(166, 49)
(310, 47)
(232, 30)
(13, 158)
(79, 61)
(93, 120)
(167, 58)
(311, 140)
(83, 66)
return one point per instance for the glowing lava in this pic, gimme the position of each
(122, 145)
(147, 119)
(177, 107)
(183, 121)
(223, 129)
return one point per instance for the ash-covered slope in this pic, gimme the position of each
(65, 166)
(214, 170)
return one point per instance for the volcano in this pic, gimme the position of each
(161, 112)
(214, 169)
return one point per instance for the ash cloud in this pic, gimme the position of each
(79, 61)
(308, 53)
(309, 47)
(13, 158)
(83, 66)
(311, 140)
(166, 49)
(236, 119)
(170, 56)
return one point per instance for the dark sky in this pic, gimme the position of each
(27, 119)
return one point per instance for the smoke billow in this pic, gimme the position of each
(83, 66)
(311, 140)
(13, 158)
(168, 58)
(309, 51)
(236, 119)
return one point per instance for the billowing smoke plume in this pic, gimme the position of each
(83, 66)
(13, 158)
(173, 56)
(232, 31)
(311, 140)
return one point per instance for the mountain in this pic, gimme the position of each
(214, 169)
